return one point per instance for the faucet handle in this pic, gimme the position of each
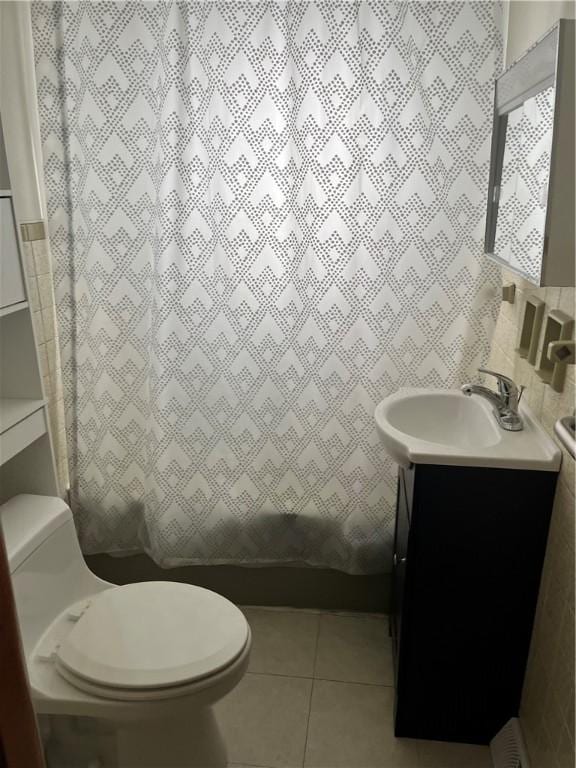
(506, 385)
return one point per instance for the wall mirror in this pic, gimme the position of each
(530, 214)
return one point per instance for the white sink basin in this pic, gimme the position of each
(443, 426)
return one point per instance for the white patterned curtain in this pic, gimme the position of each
(266, 217)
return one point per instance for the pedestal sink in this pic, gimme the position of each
(439, 426)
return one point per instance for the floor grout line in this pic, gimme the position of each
(314, 678)
(251, 765)
(311, 690)
(316, 647)
(353, 682)
(361, 615)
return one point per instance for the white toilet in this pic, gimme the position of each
(148, 660)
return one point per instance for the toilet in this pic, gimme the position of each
(147, 661)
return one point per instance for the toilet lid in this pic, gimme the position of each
(153, 634)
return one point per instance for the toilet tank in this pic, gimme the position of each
(48, 570)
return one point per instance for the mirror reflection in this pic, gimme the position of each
(524, 184)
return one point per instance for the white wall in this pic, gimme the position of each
(528, 20)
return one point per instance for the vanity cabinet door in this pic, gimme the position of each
(469, 547)
(11, 280)
(402, 528)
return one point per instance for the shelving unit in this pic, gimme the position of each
(17, 436)
(26, 454)
(16, 409)
(13, 308)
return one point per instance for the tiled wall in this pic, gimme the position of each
(36, 257)
(547, 711)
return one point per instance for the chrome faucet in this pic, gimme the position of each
(505, 402)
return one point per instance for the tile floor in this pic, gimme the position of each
(318, 694)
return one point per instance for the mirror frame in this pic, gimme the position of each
(543, 65)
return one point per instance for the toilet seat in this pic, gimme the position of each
(220, 681)
(152, 640)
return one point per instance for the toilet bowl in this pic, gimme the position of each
(148, 659)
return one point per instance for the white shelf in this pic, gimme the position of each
(5, 193)
(13, 308)
(22, 422)
(15, 409)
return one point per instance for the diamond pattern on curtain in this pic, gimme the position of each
(266, 217)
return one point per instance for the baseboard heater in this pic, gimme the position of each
(508, 748)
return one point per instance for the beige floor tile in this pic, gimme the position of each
(283, 642)
(264, 720)
(354, 650)
(351, 727)
(439, 754)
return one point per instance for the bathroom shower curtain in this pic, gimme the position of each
(266, 216)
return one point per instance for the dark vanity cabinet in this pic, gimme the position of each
(468, 552)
